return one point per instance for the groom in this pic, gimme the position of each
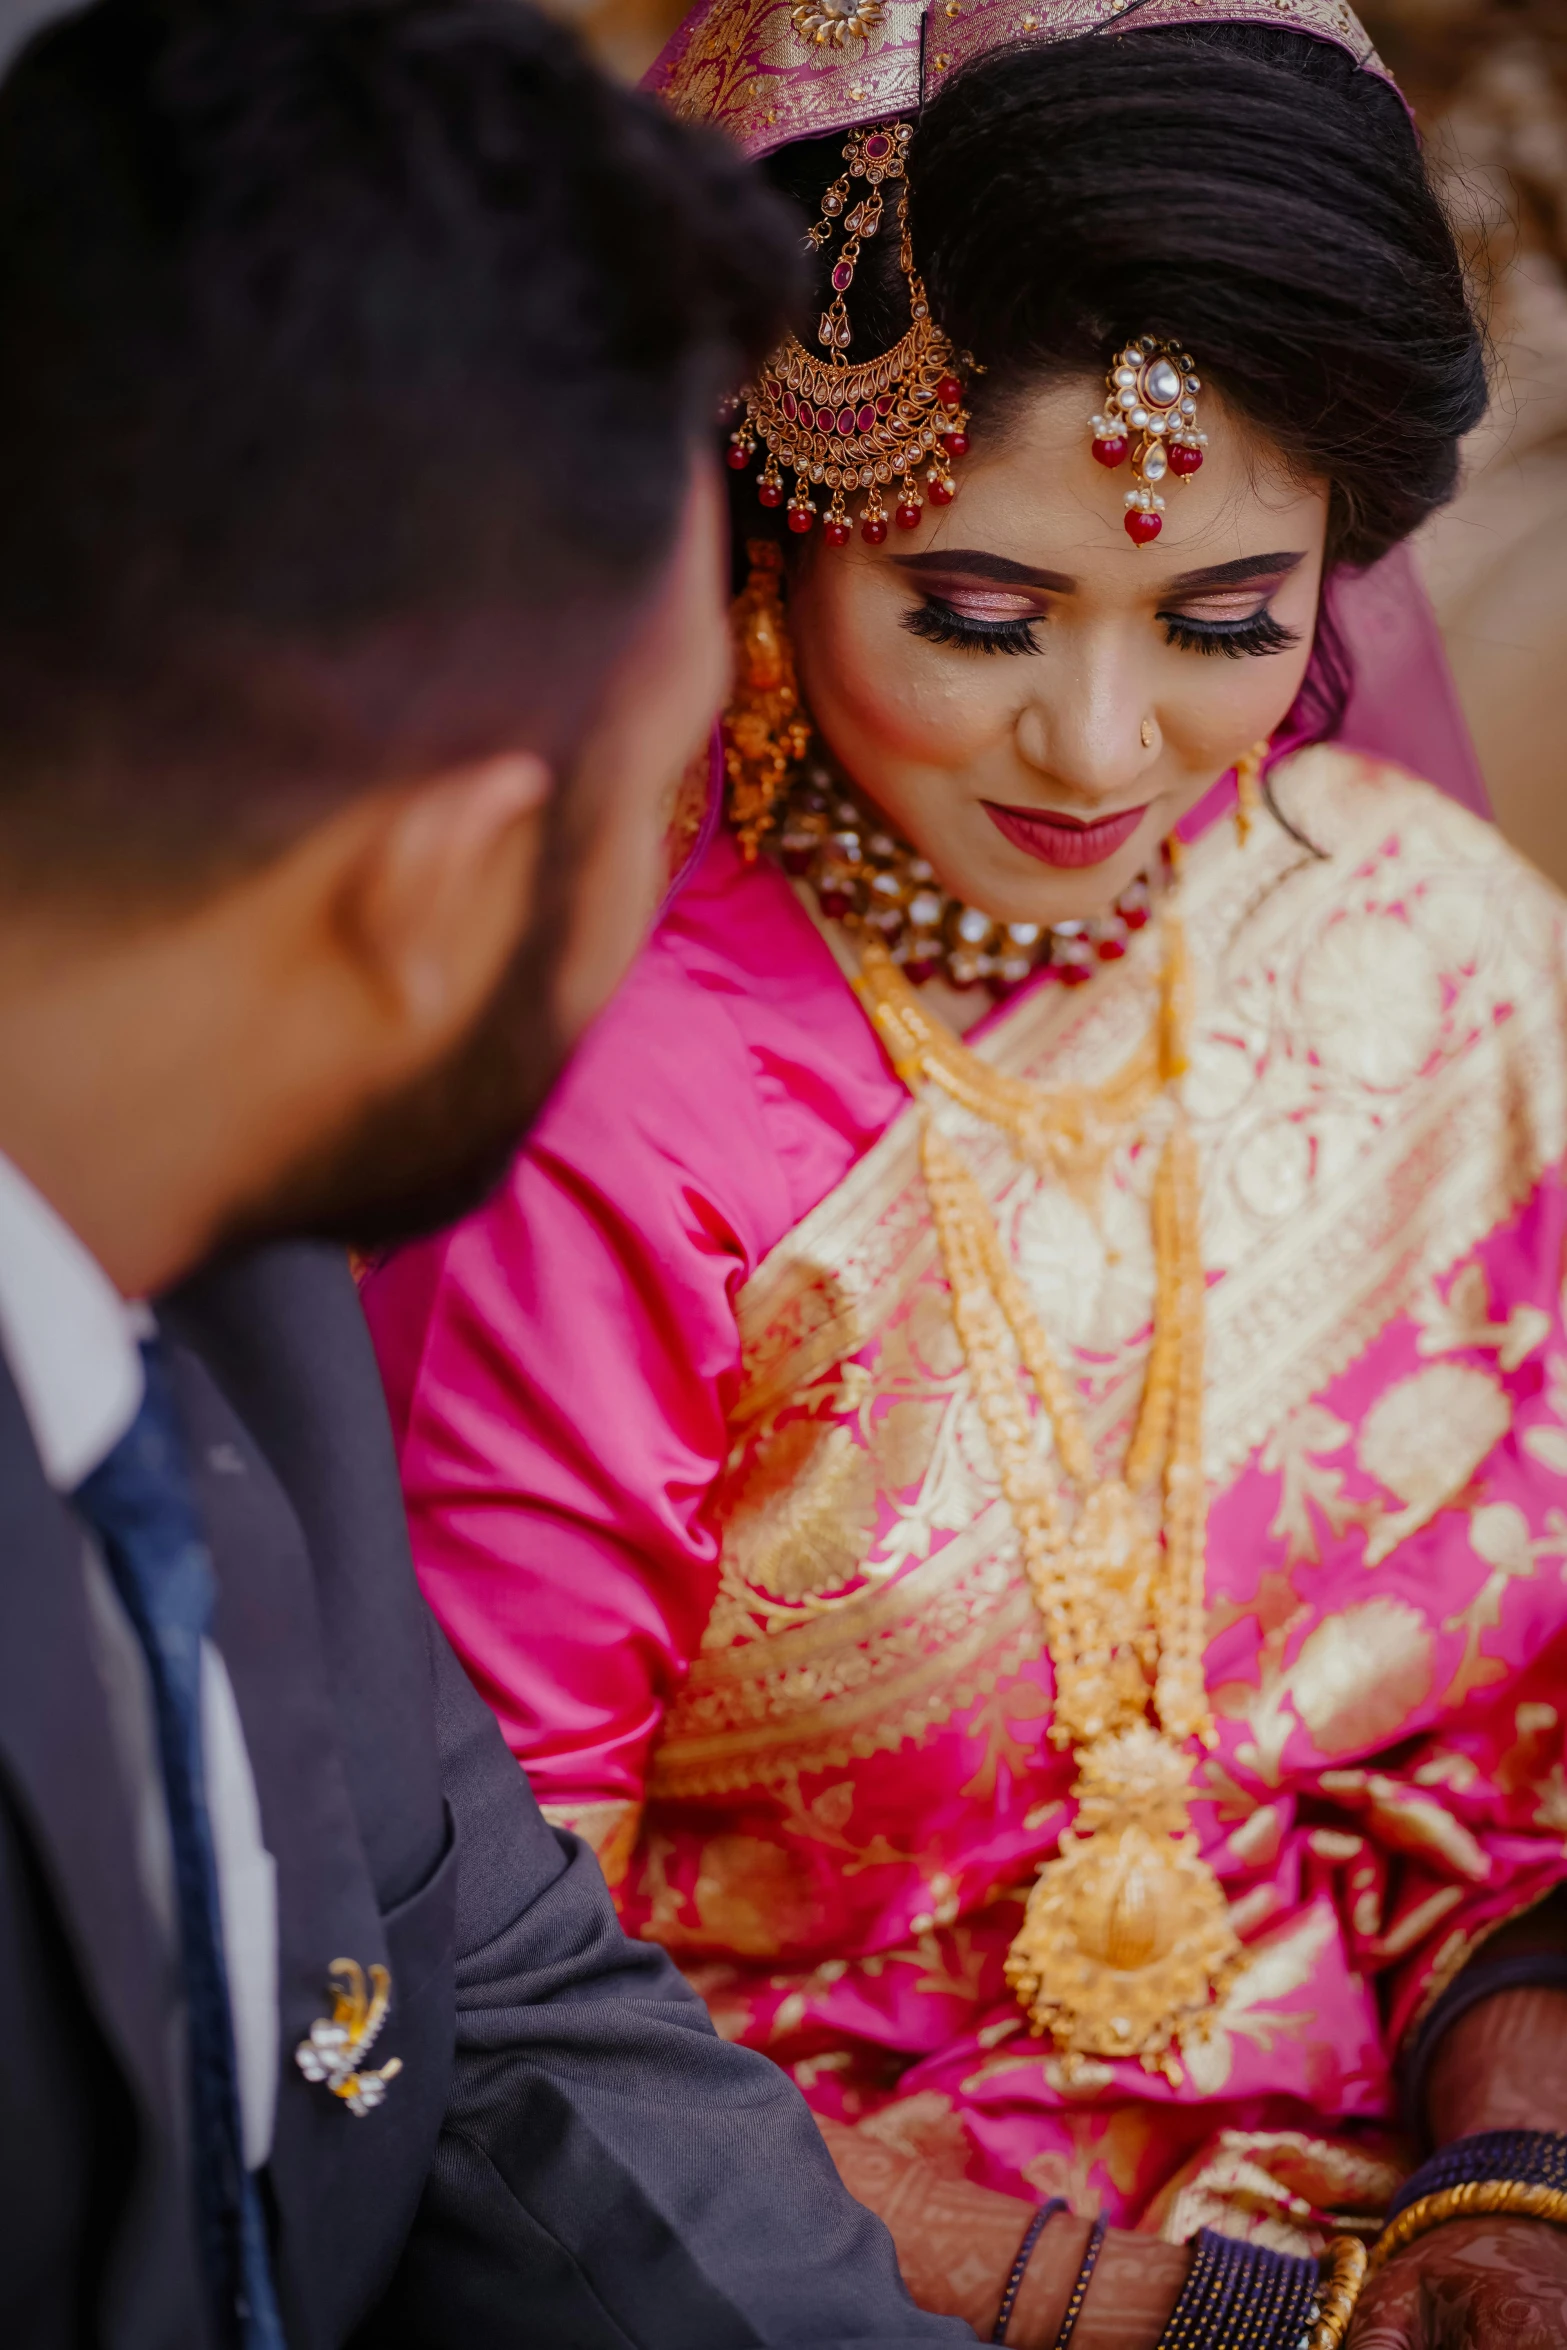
(360, 599)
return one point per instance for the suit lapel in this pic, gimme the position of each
(268, 1629)
(58, 1756)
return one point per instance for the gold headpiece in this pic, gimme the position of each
(855, 426)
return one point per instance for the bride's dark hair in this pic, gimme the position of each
(1249, 192)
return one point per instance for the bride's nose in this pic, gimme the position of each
(1087, 730)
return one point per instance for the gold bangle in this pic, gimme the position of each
(1477, 2199)
(1345, 2261)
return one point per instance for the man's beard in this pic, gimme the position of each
(423, 1157)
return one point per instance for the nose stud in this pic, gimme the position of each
(1146, 731)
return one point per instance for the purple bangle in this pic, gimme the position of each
(1036, 2228)
(1531, 1970)
(1079, 2292)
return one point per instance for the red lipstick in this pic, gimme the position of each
(1062, 840)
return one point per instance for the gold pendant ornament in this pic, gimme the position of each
(1127, 1940)
(338, 2044)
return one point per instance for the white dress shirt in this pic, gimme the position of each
(71, 1343)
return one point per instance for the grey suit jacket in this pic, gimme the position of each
(570, 2156)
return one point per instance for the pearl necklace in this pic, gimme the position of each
(873, 883)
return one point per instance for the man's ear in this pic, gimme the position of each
(436, 900)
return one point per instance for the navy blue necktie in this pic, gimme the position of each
(139, 1504)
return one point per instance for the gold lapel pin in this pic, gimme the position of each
(338, 2044)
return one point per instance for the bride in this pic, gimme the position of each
(1002, 1452)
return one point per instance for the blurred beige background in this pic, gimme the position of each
(1488, 79)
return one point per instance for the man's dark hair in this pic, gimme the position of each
(352, 358)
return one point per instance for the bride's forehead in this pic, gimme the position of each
(770, 72)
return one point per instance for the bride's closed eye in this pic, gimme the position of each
(1234, 620)
(941, 623)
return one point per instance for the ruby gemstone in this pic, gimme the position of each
(866, 418)
(1184, 459)
(846, 422)
(791, 406)
(842, 278)
(1110, 452)
(878, 146)
(1142, 528)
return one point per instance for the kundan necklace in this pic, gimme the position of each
(879, 888)
(1126, 1942)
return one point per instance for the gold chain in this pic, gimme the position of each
(1127, 1939)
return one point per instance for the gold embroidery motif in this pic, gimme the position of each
(610, 1829)
(1424, 1440)
(1361, 1674)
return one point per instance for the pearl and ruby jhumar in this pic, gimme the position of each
(850, 427)
(864, 877)
(1152, 394)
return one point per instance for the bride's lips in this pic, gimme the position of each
(1061, 840)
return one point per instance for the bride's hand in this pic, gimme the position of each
(956, 2244)
(1479, 2284)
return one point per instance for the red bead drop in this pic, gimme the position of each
(1135, 917)
(919, 968)
(770, 493)
(909, 516)
(955, 443)
(1110, 452)
(942, 493)
(800, 519)
(736, 458)
(950, 392)
(798, 860)
(1142, 528)
(1110, 950)
(836, 533)
(1184, 459)
(1074, 974)
(873, 532)
(835, 903)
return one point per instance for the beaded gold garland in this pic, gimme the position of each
(850, 427)
(1127, 1940)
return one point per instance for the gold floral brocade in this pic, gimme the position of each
(1376, 1081)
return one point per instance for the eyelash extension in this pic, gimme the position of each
(1260, 634)
(939, 624)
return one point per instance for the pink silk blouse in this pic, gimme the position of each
(698, 1490)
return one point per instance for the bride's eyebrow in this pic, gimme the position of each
(943, 562)
(1236, 574)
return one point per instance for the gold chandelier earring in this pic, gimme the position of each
(765, 730)
(1248, 789)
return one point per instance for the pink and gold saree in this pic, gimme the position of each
(700, 1491)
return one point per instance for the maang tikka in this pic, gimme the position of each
(856, 426)
(1152, 397)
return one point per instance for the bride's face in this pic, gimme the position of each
(1032, 700)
